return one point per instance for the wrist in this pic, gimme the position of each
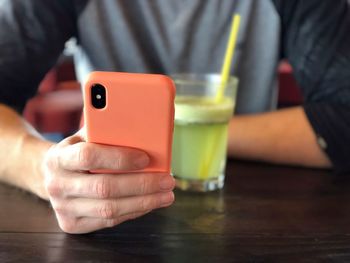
(35, 180)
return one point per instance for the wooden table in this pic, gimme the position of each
(264, 214)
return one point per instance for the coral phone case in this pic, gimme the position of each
(139, 113)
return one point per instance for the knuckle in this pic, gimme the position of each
(143, 185)
(59, 207)
(53, 186)
(118, 161)
(79, 187)
(68, 225)
(86, 155)
(134, 215)
(112, 222)
(59, 210)
(146, 204)
(102, 188)
(50, 161)
(106, 211)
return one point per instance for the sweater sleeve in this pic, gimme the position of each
(316, 40)
(32, 36)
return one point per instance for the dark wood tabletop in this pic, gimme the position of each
(265, 213)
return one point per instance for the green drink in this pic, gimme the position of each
(200, 140)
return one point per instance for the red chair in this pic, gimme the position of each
(289, 91)
(57, 107)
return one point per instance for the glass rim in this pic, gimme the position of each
(201, 79)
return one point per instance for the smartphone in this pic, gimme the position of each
(132, 110)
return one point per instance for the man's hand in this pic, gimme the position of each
(84, 201)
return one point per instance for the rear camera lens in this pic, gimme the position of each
(98, 96)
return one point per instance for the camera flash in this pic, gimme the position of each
(98, 96)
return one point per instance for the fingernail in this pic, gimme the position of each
(167, 199)
(141, 160)
(167, 182)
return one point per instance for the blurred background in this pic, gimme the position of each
(56, 110)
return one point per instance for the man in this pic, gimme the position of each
(168, 37)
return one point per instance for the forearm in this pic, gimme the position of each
(283, 137)
(22, 150)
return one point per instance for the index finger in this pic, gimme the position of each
(84, 156)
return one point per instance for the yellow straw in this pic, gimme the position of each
(230, 50)
(225, 75)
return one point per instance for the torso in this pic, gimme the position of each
(183, 36)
